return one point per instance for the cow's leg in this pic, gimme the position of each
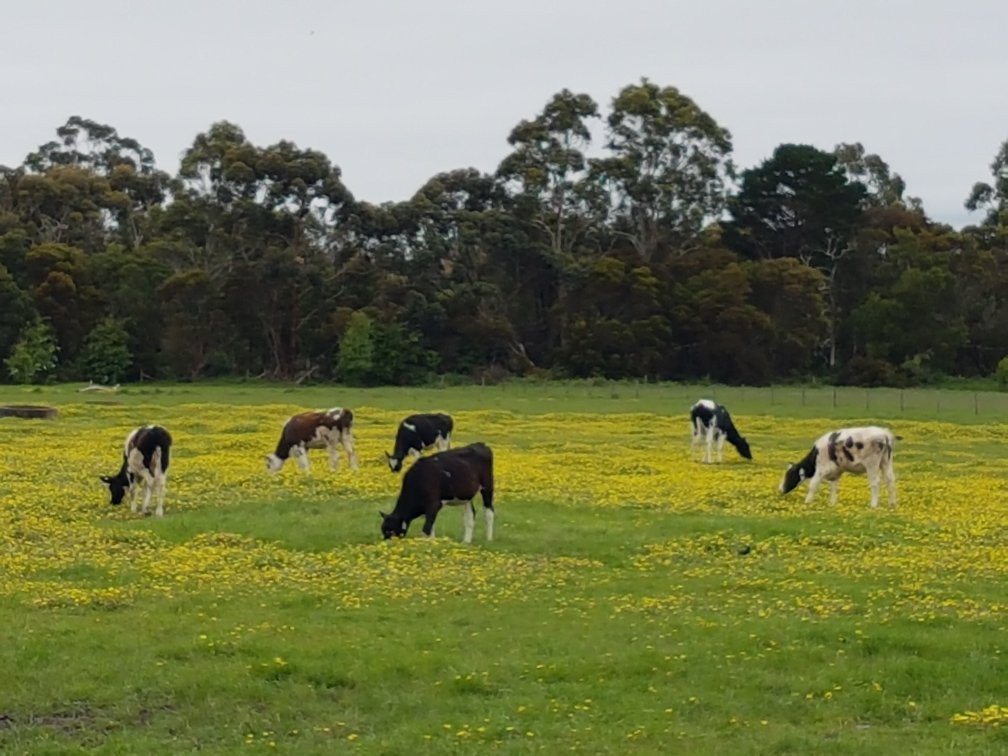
(711, 430)
(160, 482)
(468, 521)
(334, 457)
(890, 478)
(300, 454)
(488, 511)
(429, 517)
(833, 486)
(442, 443)
(874, 482)
(148, 486)
(348, 446)
(720, 446)
(813, 485)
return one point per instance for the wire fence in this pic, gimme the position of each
(953, 405)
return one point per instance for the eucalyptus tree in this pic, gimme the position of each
(799, 203)
(256, 220)
(667, 172)
(134, 183)
(993, 198)
(545, 174)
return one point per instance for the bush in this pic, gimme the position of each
(106, 357)
(1002, 373)
(34, 354)
(868, 372)
(355, 362)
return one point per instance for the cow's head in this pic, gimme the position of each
(273, 463)
(393, 525)
(394, 463)
(794, 475)
(117, 487)
(743, 448)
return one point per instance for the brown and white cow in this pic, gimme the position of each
(146, 455)
(449, 477)
(315, 430)
(862, 451)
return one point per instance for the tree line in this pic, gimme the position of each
(623, 243)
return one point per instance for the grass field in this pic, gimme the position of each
(632, 600)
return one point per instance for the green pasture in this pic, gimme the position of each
(758, 626)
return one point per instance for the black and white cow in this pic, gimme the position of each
(862, 451)
(416, 433)
(146, 455)
(449, 477)
(710, 423)
(315, 430)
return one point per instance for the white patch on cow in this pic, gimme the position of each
(273, 463)
(443, 442)
(335, 411)
(708, 403)
(409, 426)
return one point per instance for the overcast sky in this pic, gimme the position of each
(395, 92)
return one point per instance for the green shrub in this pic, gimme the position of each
(34, 354)
(1002, 373)
(106, 356)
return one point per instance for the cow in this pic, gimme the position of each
(146, 455)
(416, 433)
(862, 451)
(710, 423)
(315, 430)
(449, 477)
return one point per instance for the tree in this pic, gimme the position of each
(547, 169)
(669, 165)
(134, 184)
(106, 357)
(16, 311)
(356, 352)
(799, 203)
(884, 188)
(993, 197)
(34, 355)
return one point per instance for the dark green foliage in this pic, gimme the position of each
(257, 261)
(106, 357)
(356, 362)
(1002, 373)
(34, 354)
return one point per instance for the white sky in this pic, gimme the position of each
(395, 92)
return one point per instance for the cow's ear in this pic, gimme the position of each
(383, 515)
(105, 478)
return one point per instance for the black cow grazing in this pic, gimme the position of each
(416, 433)
(449, 477)
(146, 454)
(710, 423)
(315, 430)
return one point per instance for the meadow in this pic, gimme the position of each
(632, 601)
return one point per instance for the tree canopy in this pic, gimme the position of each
(611, 240)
